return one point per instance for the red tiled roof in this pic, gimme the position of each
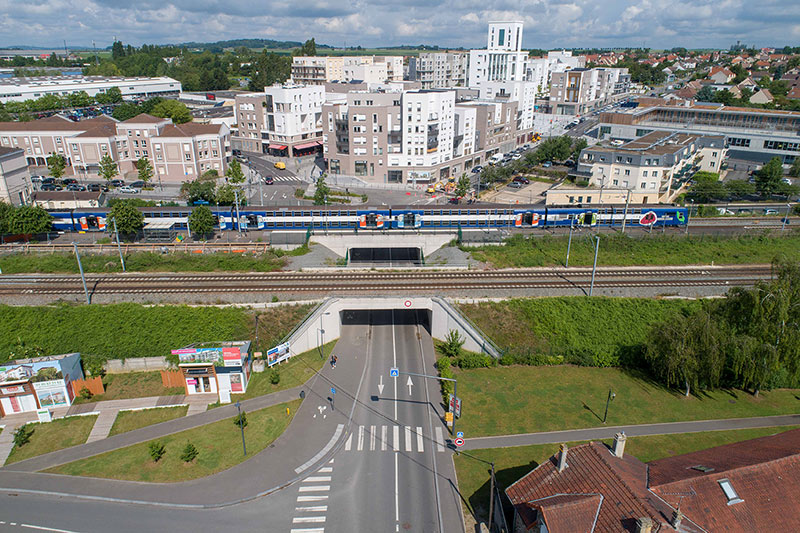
(574, 513)
(764, 472)
(189, 129)
(55, 123)
(590, 471)
(144, 118)
(794, 92)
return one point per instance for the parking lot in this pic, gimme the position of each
(531, 193)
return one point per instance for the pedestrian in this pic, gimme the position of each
(333, 360)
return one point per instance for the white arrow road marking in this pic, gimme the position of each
(380, 385)
(410, 384)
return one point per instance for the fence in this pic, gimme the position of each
(172, 378)
(136, 364)
(94, 385)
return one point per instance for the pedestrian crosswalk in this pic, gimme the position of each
(286, 178)
(372, 438)
(312, 501)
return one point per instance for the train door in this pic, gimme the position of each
(587, 219)
(371, 220)
(530, 219)
(409, 220)
(251, 221)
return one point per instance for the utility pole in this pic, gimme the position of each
(238, 216)
(569, 242)
(492, 484)
(594, 268)
(611, 396)
(786, 218)
(688, 216)
(241, 425)
(83, 278)
(119, 248)
(625, 214)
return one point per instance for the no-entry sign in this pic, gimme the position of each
(407, 303)
(459, 442)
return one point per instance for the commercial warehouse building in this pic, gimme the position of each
(21, 89)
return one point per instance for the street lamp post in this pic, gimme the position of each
(611, 396)
(83, 278)
(594, 267)
(625, 213)
(119, 248)
(241, 425)
(492, 484)
(569, 242)
(786, 218)
(689, 215)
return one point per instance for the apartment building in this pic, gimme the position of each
(521, 92)
(15, 185)
(413, 136)
(503, 58)
(650, 165)
(317, 70)
(177, 152)
(21, 89)
(439, 70)
(580, 90)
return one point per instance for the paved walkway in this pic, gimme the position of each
(608, 432)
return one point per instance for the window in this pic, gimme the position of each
(361, 168)
(642, 185)
(627, 172)
(619, 159)
(729, 491)
(655, 173)
(629, 160)
(588, 199)
(615, 182)
(644, 173)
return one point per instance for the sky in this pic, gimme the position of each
(659, 24)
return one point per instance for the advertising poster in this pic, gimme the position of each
(236, 383)
(231, 356)
(51, 393)
(199, 355)
(277, 354)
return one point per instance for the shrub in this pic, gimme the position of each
(94, 365)
(274, 376)
(22, 435)
(240, 420)
(443, 366)
(452, 344)
(475, 360)
(189, 453)
(157, 450)
(85, 393)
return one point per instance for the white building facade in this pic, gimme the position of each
(503, 58)
(21, 89)
(292, 118)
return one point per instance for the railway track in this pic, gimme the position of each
(370, 281)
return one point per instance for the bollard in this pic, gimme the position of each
(287, 411)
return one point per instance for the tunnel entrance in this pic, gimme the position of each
(386, 256)
(386, 317)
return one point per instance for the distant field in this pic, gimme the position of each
(90, 54)
(362, 52)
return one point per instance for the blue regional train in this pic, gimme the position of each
(385, 218)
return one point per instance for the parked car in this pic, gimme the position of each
(547, 164)
(48, 180)
(516, 157)
(515, 185)
(96, 187)
(477, 170)
(68, 181)
(787, 181)
(76, 187)
(137, 184)
(526, 146)
(770, 211)
(522, 179)
(280, 165)
(128, 190)
(36, 179)
(50, 187)
(117, 183)
(454, 200)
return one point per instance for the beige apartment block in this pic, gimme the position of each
(15, 184)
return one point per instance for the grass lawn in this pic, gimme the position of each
(513, 463)
(132, 385)
(569, 397)
(296, 371)
(51, 436)
(600, 329)
(130, 420)
(219, 445)
(655, 249)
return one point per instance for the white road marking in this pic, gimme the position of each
(349, 443)
(371, 438)
(396, 492)
(420, 443)
(360, 438)
(307, 530)
(439, 439)
(396, 440)
(327, 469)
(317, 479)
(319, 498)
(383, 438)
(307, 519)
(408, 438)
(312, 509)
(43, 528)
(315, 488)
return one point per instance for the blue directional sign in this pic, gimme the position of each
(459, 434)
(394, 372)
(333, 390)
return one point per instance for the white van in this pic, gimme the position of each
(496, 158)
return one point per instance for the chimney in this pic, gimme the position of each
(644, 525)
(619, 444)
(677, 518)
(562, 457)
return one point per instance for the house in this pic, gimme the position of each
(762, 96)
(741, 487)
(794, 93)
(747, 83)
(721, 75)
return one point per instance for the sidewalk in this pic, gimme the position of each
(608, 432)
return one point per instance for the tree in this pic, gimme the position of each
(739, 188)
(145, 170)
(157, 450)
(234, 172)
(56, 165)
(129, 219)
(201, 221)
(114, 95)
(240, 420)
(30, 219)
(173, 109)
(768, 179)
(707, 187)
(452, 344)
(669, 354)
(198, 190)
(126, 111)
(463, 186)
(117, 50)
(22, 435)
(227, 194)
(6, 212)
(706, 94)
(309, 48)
(794, 171)
(322, 191)
(189, 453)
(108, 168)
(579, 145)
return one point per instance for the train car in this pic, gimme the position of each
(79, 220)
(529, 218)
(406, 218)
(372, 218)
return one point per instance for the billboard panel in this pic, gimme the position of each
(277, 354)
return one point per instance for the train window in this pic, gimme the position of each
(183, 215)
(252, 220)
(408, 219)
(371, 220)
(91, 221)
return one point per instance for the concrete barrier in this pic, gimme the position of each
(136, 364)
(324, 324)
(427, 241)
